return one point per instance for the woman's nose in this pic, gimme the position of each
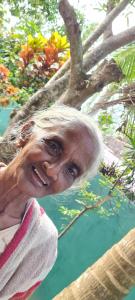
(52, 170)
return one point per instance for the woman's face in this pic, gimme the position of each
(52, 159)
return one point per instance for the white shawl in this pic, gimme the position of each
(29, 256)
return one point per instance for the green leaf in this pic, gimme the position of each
(80, 202)
(125, 58)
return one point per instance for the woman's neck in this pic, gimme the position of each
(12, 201)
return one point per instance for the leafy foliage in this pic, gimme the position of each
(32, 8)
(30, 65)
(103, 5)
(88, 198)
(68, 212)
(124, 131)
(40, 58)
(125, 58)
(128, 130)
(30, 57)
(105, 121)
(8, 91)
(113, 173)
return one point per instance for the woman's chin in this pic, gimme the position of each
(36, 193)
(32, 189)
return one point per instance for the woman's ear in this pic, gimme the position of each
(25, 134)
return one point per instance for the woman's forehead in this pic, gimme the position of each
(70, 132)
(69, 127)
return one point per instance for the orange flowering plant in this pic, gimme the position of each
(4, 72)
(6, 88)
(40, 58)
(31, 65)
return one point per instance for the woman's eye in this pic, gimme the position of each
(54, 147)
(72, 171)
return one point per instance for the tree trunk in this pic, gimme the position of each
(110, 278)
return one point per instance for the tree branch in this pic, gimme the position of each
(41, 99)
(95, 35)
(74, 35)
(106, 73)
(107, 47)
(108, 31)
(91, 59)
(104, 105)
(86, 208)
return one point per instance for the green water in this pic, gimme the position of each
(5, 115)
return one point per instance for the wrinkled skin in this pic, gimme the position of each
(49, 161)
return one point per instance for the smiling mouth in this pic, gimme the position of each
(39, 177)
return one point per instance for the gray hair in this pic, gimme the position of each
(64, 115)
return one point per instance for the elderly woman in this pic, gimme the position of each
(55, 149)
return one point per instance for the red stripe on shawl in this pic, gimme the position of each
(27, 294)
(17, 237)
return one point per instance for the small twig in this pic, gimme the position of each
(72, 222)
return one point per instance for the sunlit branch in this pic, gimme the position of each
(74, 35)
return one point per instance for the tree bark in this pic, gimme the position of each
(110, 278)
(106, 73)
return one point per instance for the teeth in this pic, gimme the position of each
(39, 175)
